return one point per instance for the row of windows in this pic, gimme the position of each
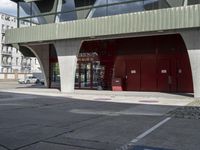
(39, 13)
(8, 69)
(8, 49)
(5, 27)
(9, 60)
(8, 18)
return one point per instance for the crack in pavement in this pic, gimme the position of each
(5, 147)
(62, 133)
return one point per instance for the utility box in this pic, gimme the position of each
(117, 84)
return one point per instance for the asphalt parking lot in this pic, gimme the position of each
(37, 122)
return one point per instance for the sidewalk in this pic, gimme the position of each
(150, 98)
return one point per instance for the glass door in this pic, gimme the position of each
(85, 75)
(89, 75)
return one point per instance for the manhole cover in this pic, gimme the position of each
(148, 101)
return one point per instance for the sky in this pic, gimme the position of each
(8, 7)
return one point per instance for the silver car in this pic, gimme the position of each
(29, 80)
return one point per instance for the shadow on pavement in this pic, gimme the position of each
(39, 122)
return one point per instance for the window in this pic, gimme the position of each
(24, 9)
(193, 2)
(4, 49)
(35, 61)
(125, 8)
(2, 17)
(3, 38)
(67, 5)
(17, 61)
(2, 26)
(32, 13)
(7, 18)
(4, 60)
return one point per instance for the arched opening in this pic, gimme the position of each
(41, 52)
(54, 71)
(150, 63)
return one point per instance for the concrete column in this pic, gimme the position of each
(67, 52)
(192, 42)
(42, 54)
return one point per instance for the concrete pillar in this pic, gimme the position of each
(42, 54)
(67, 52)
(192, 42)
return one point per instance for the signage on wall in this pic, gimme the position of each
(163, 71)
(133, 71)
(180, 71)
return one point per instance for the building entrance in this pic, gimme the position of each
(89, 72)
(161, 64)
(84, 75)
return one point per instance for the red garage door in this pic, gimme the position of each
(164, 73)
(133, 74)
(164, 76)
(148, 73)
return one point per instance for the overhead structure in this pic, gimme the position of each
(134, 45)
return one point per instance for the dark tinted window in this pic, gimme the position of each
(193, 2)
(82, 3)
(45, 5)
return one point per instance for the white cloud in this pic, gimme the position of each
(6, 6)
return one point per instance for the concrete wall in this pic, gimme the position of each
(192, 41)
(67, 52)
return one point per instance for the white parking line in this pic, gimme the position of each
(141, 136)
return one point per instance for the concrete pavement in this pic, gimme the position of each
(151, 98)
(44, 119)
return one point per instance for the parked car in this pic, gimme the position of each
(29, 80)
(42, 81)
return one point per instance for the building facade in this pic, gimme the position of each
(11, 59)
(131, 45)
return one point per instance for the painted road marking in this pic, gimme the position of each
(141, 136)
(150, 130)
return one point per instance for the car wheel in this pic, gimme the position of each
(37, 81)
(28, 82)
